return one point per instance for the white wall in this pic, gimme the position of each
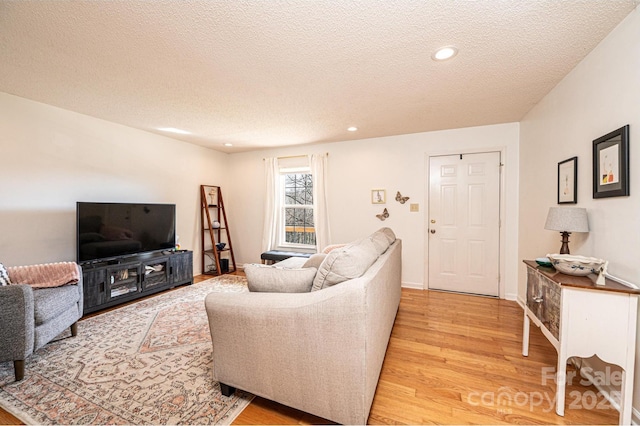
(396, 163)
(52, 158)
(600, 95)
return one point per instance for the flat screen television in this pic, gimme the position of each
(110, 230)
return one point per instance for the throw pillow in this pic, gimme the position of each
(346, 263)
(390, 235)
(328, 249)
(314, 261)
(4, 276)
(270, 279)
(380, 241)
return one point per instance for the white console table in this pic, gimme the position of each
(583, 319)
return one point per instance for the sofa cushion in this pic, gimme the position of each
(4, 276)
(345, 263)
(271, 279)
(50, 302)
(315, 261)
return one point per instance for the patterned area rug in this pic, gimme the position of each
(146, 363)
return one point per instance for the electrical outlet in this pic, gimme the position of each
(414, 207)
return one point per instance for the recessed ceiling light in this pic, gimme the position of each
(352, 128)
(174, 130)
(228, 144)
(444, 53)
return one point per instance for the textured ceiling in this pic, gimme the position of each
(282, 72)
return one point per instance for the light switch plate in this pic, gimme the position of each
(414, 207)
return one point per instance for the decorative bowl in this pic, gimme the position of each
(577, 265)
(220, 246)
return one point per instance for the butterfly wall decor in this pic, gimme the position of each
(383, 215)
(400, 198)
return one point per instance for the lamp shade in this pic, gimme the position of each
(567, 219)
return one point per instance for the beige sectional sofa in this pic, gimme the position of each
(318, 351)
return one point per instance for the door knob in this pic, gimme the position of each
(433, 231)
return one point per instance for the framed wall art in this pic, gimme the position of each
(611, 164)
(568, 181)
(378, 196)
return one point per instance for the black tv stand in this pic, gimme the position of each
(110, 282)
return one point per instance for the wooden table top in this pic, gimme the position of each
(580, 282)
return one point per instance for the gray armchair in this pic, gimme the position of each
(32, 317)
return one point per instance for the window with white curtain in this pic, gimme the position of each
(297, 228)
(295, 216)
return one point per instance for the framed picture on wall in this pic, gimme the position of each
(611, 164)
(568, 181)
(378, 196)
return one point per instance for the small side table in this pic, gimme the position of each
(274, 256)
(583, 319)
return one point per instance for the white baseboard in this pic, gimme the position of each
(415, 286)
(511, 296)
(420, 286)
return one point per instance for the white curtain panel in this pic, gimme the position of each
(272, 205)
(318, 163)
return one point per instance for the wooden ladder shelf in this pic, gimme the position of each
(217, 250)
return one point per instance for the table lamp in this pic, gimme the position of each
(567, 220)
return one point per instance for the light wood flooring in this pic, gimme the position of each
(456, 359)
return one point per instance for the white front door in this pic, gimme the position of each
(464, 223)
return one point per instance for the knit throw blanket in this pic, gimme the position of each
(44, 276)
